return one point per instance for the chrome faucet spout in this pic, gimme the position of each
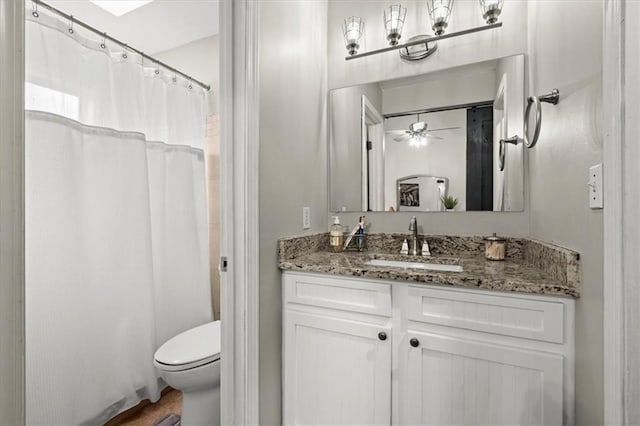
(413, 227)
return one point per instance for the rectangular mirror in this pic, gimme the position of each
(431, 142)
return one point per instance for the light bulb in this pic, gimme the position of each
(491, 9)
(352, 32)
(439, 12)
(394, 17)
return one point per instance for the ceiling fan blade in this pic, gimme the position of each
(433, 137)
(444, 128)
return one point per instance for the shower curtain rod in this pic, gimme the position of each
(84, 25)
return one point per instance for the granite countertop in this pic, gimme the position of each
(532, 267)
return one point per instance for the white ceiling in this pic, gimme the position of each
(154, 27)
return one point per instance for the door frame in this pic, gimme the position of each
(12, 255)
(500, 100)
(621, 240)
(369, 115)
(239, 196)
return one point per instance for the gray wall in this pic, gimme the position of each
(509, 40)
(201, 60)
(564, 43)
(555, 185)
(570, 142)
(293, 141)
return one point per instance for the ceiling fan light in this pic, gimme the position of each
(418, 141)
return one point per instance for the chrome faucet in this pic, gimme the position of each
(413, 227)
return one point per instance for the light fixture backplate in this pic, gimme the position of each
(418, 51)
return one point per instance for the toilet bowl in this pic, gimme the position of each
(190, 363)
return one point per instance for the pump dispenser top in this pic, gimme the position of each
(336, 235)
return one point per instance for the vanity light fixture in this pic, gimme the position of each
(352, 31)
(419, 46)
(439, 12)
(394, 17)
(491, 9)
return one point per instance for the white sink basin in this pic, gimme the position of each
(414, 265)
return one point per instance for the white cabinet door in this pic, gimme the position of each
(453, 381)
(337, 371)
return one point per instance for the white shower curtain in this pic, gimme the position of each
(116, 223)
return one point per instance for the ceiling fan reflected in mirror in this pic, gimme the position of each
(418, 135)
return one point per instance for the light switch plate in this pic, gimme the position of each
(306, 217)
(596, 200)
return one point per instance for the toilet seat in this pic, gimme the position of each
(190, 349)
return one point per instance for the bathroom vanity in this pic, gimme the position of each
(367, 343)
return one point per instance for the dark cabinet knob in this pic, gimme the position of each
(414, 342)
(382, 335)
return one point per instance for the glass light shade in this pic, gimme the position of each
(352, 31)
(418, 141)
(491, 9)
(394, 17)
(439, 12)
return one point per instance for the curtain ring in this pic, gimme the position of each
(175, 78)
(104, 41)
(35, 10)
(190, 86)
(157, 68)
(71, 31)
(124, 54)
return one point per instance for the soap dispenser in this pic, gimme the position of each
(336, 236)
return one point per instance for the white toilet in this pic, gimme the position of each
(190, 363)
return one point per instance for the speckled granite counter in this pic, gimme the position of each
(531, 266)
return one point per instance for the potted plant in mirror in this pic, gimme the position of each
(449, 202)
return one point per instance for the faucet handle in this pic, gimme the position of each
(405, 247)
(425, 248)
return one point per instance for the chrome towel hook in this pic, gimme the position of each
(534, 101)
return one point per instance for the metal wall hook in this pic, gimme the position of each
(513, 140)
(552, 98)
(534, 101)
